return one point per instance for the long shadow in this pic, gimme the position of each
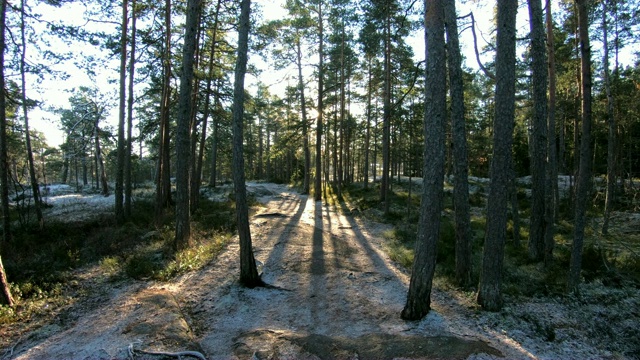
(317, 254)
(378, 262)
(337, 263)
(278, 250)
(318, 286)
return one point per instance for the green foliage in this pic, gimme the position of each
(400, 245)
(38, 262)
(193, 258)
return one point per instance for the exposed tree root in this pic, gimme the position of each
(198, 355)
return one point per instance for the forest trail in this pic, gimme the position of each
(335, 295)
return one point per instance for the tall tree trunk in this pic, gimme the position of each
(119, 191)
(515, 210)
(35, 187)
(419, 297)
(367, 138)
(611, 121)
(214, 138)
(207, 102)
(85, 170)
(489, 290)
(460, 161)
(183, 137)
(386, 116)
(269, 170)
(305, 123)
(259, 174)
(552, 166)
(318, 180)
(194, 183)
(539, 144)
(163, 175)
(5, 296)
(128, 151)
(99, 160)
(341, 159)
(584, 174)
(249, 276)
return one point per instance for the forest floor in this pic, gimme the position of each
(335, 294)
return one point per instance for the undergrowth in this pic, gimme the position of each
(602, 262)
(40, 264)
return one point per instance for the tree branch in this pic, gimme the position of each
(486, 71)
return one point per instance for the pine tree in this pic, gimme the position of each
(419, 297)
(183, 137)
(489, 291)
(249, 276)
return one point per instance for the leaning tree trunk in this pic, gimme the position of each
(419, 298)
(489, 291)
(35, 187)
(539, 156)
(6, 298)
(183, 138)
(460, 161)
(249, 276)
(584, 172)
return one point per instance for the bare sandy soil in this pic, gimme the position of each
(335, 295)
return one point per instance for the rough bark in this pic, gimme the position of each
(119, 191)
(460, 157)
(194, 182)
(539, 133)
(183, 136)
(583, 182)
(6, 298)
(163, 180)
(249, 276)
(489, 290)
(552, 164)
(419, 297)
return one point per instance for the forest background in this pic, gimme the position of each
(337, 106)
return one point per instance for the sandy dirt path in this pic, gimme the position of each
(335, 295)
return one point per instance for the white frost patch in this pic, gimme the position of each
(78, 207)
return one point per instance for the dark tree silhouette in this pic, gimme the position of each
(584, 172)
(419, 297)
(489, 291)
(183, 137)
(249, 276)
